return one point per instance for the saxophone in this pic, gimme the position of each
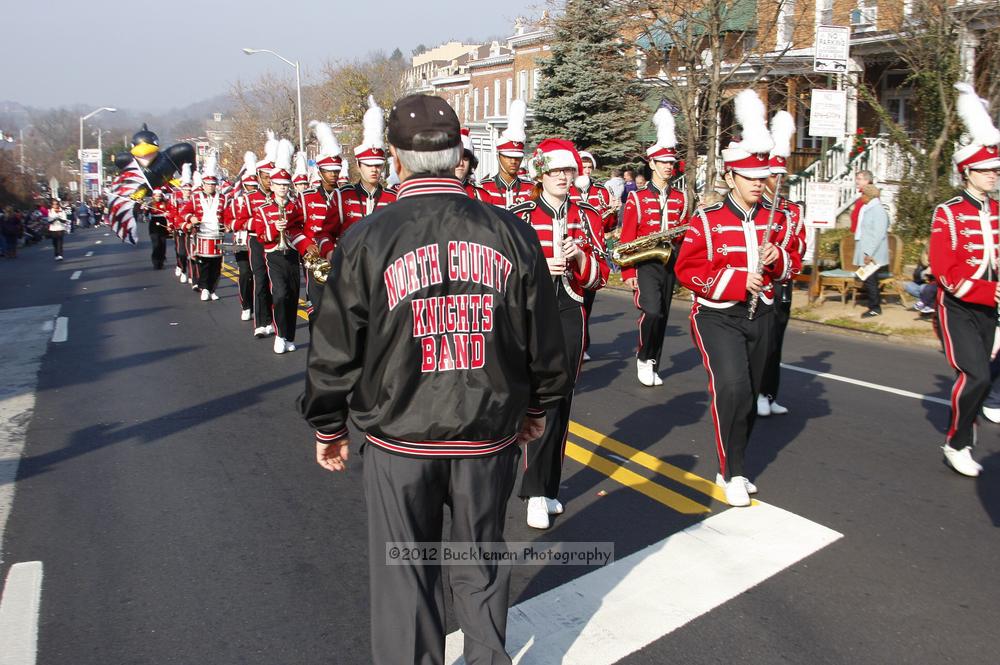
(658, 246)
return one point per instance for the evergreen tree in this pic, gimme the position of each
(588, 91)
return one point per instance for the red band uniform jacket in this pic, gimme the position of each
(358, 203)
(649, 210)
(498, 193)
(322, 219)
(964, 248)
(264, 226)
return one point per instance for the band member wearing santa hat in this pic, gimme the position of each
(367, 195)
(203, 215)
(465, 171)
(566, 232)
(506, 189)
(794, 242)
(598, 198)
(321, 207)
(181, 196)
(263, 305)
(159, 213)
(238, 217)
(279, 227)
(656, 208)
(965, 238)
(729, 259)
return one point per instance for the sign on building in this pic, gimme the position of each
(828, 113)
(832, 49)
(822, 201)
(90, 167)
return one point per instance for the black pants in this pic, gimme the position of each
(262, 303)
(588, 307)
(734, 351)
(314, 293)
(209, 271)
(57, 242)
(656, 291)
(782, 313)
(543, 458)
(405, 499)
(192, 263)
(158, 239)
(283, 272)
(967, 331)
(245, 281)
(872, 293)
(181, 248)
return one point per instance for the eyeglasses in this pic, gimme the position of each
(991, 171)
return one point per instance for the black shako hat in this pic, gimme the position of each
(424, 123)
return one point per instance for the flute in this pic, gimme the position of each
(760, 251)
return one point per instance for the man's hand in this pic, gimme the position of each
(333, 457)
(632, 283)
(768, 253)
(755, 282)
(556, 266)
(531, 429)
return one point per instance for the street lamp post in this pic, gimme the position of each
(298, 86)
(82, 118)
(100, 163)
(20, 139)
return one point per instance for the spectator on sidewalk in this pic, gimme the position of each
(872, 245)
(11, 231)
(861, 179)
(58, 223)
(629, 176)
(84, 216)
(923, 287)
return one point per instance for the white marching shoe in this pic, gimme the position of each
(279, 345)
(961, 461)
(763, 406)
(204, 295)
(736, 492)
(245, 315)
(538, 513)
(213, 296)
(777, 409)
(260, 333)
(177, 271)
(721, 482)
(991, 414)
(553, 506)
(646, 372)
(269, 329)
(289, 346)
(184, 278)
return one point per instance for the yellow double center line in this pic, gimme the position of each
(616, 472)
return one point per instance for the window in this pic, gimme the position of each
(475, 104)
(865, 17)
(510, 94)
(825, 12)
(786, 24)
(486, 101)
(804, 140)
(496, 96)
(466, 114)
(522, 85)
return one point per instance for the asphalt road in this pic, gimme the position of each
(168, 487)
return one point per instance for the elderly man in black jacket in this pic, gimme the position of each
(440, 335)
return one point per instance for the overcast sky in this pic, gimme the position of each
(115, 53)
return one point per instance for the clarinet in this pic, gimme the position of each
(760, 251)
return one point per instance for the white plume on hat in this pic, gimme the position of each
(782, 128)
(300, 164)
(752, 117)
(249, 162)
(666, 132)
(283, 155)
(516, 117)
(373, 125)
(196, 180)
(210, 168)
(329, 146)
(975, 115)
(185, 174)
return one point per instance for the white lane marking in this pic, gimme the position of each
(76, 275)
(106, 234)
(19, 329)
(19, 605)
(866, 384)
(61, 333)
(89, 254)
(611, 612)
(98, 242)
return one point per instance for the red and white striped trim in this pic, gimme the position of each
(422, 186)
(719, 448)
(949, 352)
(441, 448)
(327, 439)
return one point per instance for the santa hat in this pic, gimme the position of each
(270, 150)
(554, 154)
(372, 148)
(249, 172)
(281, 173)
(467, 148)
(749, 156)
(328, 158)
(665, 148)
(586, 155)
(185, 175)
(982, 150)
(210, 169)
(301, 175)
(782, 128)
(512, 139)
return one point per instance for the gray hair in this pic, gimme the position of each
(435, 162)
(868, 175)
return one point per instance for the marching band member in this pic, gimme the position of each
(201, 215)
(238, 218)
(181, 196)
(321, 207)
(564, 230)
(466, 169)
(598, 199)
(263, 306)
(367, 195)
(729, 260)
(782, 129)
(300, 178)
(191, 233)
(506, 189)
(655, 208)
(160, 215)
(964, 243)
(278, 225)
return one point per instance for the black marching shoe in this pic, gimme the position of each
(871, 314)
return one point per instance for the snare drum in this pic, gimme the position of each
(209, 246)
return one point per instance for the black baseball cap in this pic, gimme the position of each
(424, 123)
